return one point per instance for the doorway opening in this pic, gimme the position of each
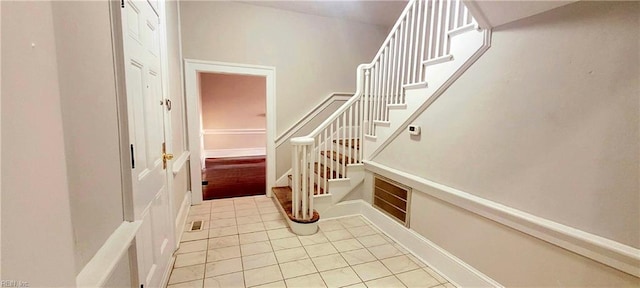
(195, 70)
(233, 135)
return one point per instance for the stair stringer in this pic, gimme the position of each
(322, 203)
(340, 188)
(466, 48)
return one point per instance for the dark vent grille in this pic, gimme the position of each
(392, 198)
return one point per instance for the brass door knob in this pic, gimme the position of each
(167, 156)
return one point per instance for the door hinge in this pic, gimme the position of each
(168, 102)
(122, 3)
(133, 158)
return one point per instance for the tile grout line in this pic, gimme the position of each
(403, 254)
(244, 281)
(350, 266)
(206, 257)
(333, 245)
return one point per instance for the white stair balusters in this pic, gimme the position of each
(419, 37)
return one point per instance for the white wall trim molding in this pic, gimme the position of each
(161, 10)
(615, 254)
(233, 131)
(333, 97)
(103, 263)
(456, 271)
(194, 124)
(179, 163)
(181, 219)
(236, 152)
(167, 273)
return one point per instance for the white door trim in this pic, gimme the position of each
(192, 68)
(168, 134)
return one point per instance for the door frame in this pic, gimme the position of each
(168, 128)
(194, 123)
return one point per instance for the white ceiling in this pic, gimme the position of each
(382, 13)
(490, 13)
(498, 12)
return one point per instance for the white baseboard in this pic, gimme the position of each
(258, 131)
(284, 179)
(181, 218)
(444, 263)
(239, 152)
(453, 269)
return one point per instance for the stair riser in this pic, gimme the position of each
(337, 147)
(338, 135)
(335, 162)
(340, 188)
(322, 183)
(345, 150)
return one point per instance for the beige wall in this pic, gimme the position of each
(230, 101)
(63, 193)
(90, 119)
(313, 55)
(511, 257)
(37, 236)
(547, 121)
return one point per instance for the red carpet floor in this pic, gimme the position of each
(234, 177)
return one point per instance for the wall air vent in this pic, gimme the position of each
(392, 198)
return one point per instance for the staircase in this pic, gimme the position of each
(430, 46)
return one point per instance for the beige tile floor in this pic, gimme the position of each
(246, 243)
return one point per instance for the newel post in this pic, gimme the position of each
(301, 186)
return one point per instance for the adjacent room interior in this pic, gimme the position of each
(233, 135)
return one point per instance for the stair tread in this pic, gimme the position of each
(316, 190)
(283, 195)
(352, 143)
(338, 156)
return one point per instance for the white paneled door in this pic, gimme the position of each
(146, 113)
